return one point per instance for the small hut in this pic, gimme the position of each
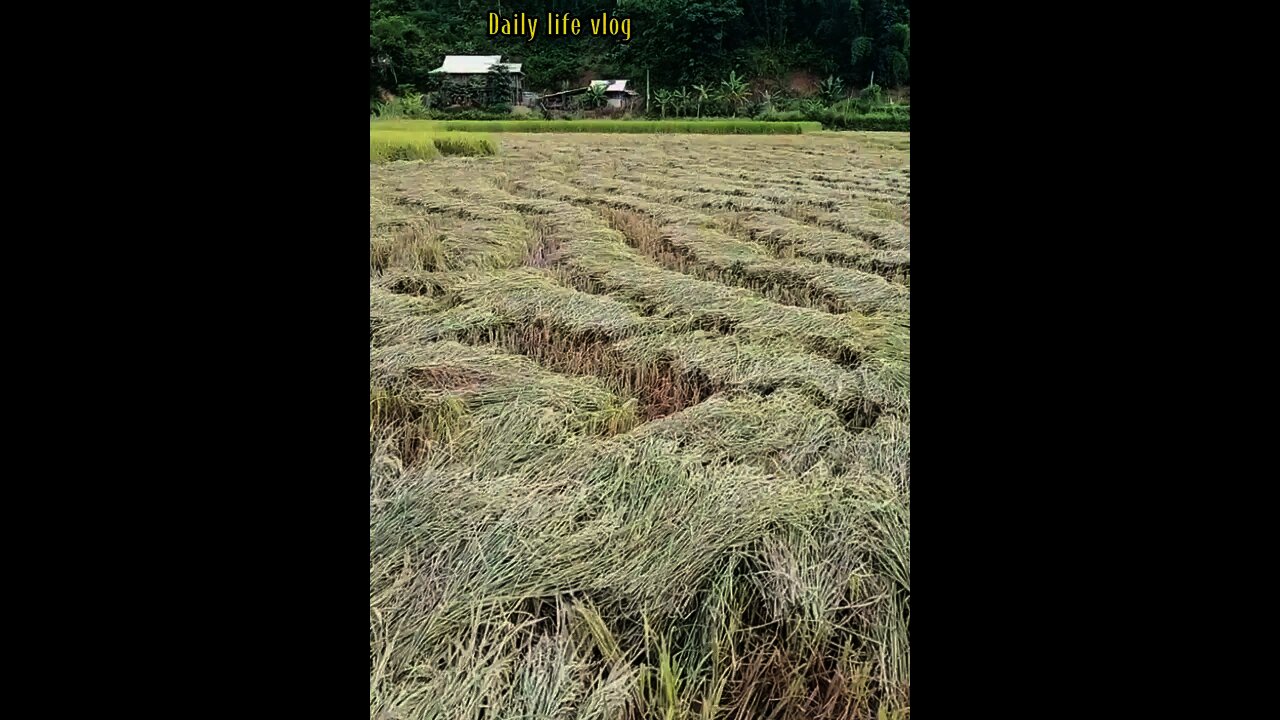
(615, 92)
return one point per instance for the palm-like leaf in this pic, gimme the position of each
(663, 98)
(596, 97)
(680, 100)
(700, 96)
(734, 90)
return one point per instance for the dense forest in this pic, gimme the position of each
(677, 42)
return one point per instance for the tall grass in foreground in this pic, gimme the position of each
(385, 146)
(709, 127)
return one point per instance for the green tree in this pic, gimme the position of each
(390, 38)
(497, 86)
(681, 42)
(881, 42)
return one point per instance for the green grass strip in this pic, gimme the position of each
(710, 127)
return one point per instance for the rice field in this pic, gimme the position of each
(387, 145)
(640, 429)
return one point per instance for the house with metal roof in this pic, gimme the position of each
(615, 92)
(462, 68)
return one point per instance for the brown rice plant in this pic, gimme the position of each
(613, 476)
(417, 245)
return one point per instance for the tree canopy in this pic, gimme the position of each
(678, 42)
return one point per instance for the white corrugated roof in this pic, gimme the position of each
(468, 64)
(613, 85)
(513, 67)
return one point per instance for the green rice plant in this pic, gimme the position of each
(385, 148)
(466, 144)
(398, 142)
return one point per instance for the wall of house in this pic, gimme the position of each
(517, 83)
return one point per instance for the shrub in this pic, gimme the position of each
(848, 115)
(864, 121)
(810, 106)
(784, 116)
(864, 106)
(505, 112)
(411, 105)
(468, 144)
(831, 89)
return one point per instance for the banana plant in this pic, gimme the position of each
(595, 96)
(663, 98)
(734, 91)
(680, 101)
(700, 96)
(831, 89)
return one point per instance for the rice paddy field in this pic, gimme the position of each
(390, 144)
(640, 429)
